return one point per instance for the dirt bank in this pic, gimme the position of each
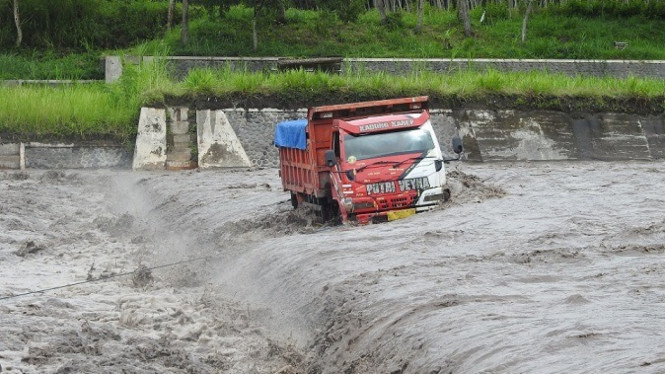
(532, 267)
(297, 99)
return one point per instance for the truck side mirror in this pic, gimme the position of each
(331, 159)
(457, 145)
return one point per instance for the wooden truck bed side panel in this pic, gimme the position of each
(299, 173)
(306, 170)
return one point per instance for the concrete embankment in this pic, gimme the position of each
(61, 155)
(181, 137)
(244, 137)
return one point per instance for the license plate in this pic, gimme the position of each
(399, 214)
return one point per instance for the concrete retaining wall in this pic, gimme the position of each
(599, 68)
(506, 135)
(256, 129)
(497, 135)
(71, 156)
(246, 138)
(63, 156)
(45, 82)
(180, 65)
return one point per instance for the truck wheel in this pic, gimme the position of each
(329, 211)
(294, 200)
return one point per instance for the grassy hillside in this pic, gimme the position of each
(554, 32)
(550, 34)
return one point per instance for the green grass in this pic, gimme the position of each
(467, 84)
(91, 110)
(49, 65)
(308, 33)
(73, 111)
(83, 110)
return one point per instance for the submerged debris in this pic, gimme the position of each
(142, 276)
(29, 248)
(467, 188)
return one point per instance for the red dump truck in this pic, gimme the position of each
(370, 161)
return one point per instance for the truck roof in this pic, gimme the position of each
(384, 123)
(369, 108)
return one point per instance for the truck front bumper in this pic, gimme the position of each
(427, 200)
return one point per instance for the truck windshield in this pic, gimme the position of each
(387, 143)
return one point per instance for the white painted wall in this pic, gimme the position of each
(150, 150)
(218, 145)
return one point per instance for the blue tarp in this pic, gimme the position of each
(291, 134)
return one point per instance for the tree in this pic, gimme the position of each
(169, 17)
(265, 9)
(463, 9)
(17, 21)
(261, 9)
(281, 12)
(529, 7)
(255, 34)
(184, 35)
(421, 6)
(381, 7)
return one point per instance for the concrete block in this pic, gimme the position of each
(10, 162)
(179, 113)
(180, 65)
(622, 138)
(21, 154)
(654, 129)
(112, 69)
(482, 137)
(181, 139)
(538, 135)
(609, 137)
(9, 149)
(150, 150)
(553, 136)
(180, 155)
(218, 144)
(509, 135)
(179, 127)
(180, 165)
(11, 82)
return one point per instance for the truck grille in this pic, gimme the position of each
(395, 202)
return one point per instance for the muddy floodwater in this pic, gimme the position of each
(530, 268)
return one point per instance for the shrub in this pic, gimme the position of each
(83, 24)
(611, 8)
(348, 10)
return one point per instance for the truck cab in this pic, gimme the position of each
(387, 167)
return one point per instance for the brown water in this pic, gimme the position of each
(540, 267)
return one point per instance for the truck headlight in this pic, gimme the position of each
(434, 197)
(348, 204)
